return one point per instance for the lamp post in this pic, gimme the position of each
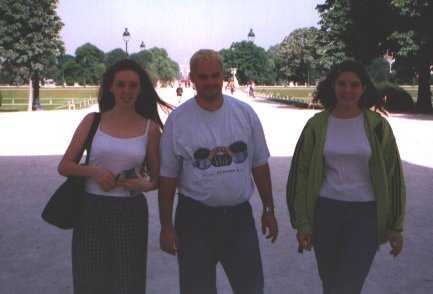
(126, 37)
(142, 46)
(251, 36)
(305, 61)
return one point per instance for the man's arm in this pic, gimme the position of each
(167, 189)
(262, 178)
(169, 172)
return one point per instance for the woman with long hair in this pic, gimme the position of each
(345, 190)
(109, 244)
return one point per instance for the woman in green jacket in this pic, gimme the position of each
(345, 190)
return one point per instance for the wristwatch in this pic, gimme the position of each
(268, 210)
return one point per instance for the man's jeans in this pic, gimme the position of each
(208, 235)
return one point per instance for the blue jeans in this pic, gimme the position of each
(345, 243)
(208, 235)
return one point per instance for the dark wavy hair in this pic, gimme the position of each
(147, 101)
(325, 92)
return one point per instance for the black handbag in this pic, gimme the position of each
(64, 207)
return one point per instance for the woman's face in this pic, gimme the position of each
(348, 89)
(125, 87)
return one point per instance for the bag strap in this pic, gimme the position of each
(88, 143)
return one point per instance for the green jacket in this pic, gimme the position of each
(307, 174)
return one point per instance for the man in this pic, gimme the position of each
(210, 146)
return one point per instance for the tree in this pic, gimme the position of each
(252, 63)
(276, 63)
(158, 64)
(166, 68)
(413, 36)
(144, 58)
(113, 56)
(355, 29)
(29, 39)
(71, 71)
(297, 56)
(378, 70)
(366, 29)
(91, 60)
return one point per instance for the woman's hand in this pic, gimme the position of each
(104, 178)
(395, 240)
(305, 241)
(140, 184)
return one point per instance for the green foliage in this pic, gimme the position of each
(158, 64)
(413, 40)
(404, 71)
(252, 63)
(352, 28)
(29, 40)
(334, 23)
(91, 60)
(29, 36)
(297, 57)
(72, 71)
(113, 56)
(378, 70)
(365, 29)
(397, 99)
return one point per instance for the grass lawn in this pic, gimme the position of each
(304, 93)
(16, 98)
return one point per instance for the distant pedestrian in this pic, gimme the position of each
(251, 89)
(345, 191)
(232, 87)
(179, 93)
(109, 244)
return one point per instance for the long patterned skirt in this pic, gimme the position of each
(109, 246)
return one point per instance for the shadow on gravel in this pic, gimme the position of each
(35, 257)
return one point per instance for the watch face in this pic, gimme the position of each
(268, 210)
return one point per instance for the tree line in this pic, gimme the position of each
(401, 30)
(89, 63)
(31, 48)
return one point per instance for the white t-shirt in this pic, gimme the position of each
(212, 153)
(347, 154)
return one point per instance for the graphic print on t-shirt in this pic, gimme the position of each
(220, 156)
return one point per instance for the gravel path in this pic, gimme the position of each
(35, 257)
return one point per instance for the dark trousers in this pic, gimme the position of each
(345, 243)
(208, 235)
(109, 246)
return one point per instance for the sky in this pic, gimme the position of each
(181, 26)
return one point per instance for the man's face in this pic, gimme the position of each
(208, 79)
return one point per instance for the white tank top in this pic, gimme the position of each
(116, 154)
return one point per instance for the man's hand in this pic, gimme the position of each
(269, 226)
(396, 242)
(167, 240)
(305, 241)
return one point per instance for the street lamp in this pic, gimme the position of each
(251, 36)
(126, 37)
(142, 46)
